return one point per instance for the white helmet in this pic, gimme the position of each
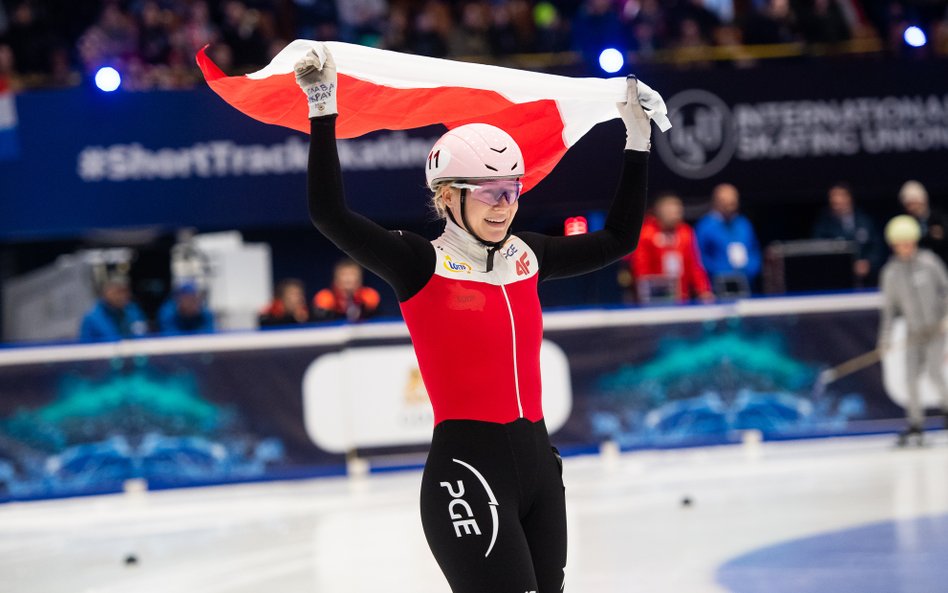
(474, 151)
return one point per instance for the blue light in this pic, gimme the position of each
(108, 79)
(611, 60)
(914, 36)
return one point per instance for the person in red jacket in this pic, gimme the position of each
(347, 298)
(667, 255)
(288, 306)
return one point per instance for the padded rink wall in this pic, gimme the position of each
(186, 411)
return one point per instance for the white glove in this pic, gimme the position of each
(316, 75)
(638, 126)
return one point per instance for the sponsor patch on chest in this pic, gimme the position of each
(465, 299)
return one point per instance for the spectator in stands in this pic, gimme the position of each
(362, 21)
(915, 287)
(185, 312)
(596, 26)
(114, 316)
(774, 23)
(347, 298)
(933, 223)
(842, 220)
(30, 38)
(552, 30)
(704, 20)
(825, 22)
(242, 30)
(667, 254)
(288, 306)
(432, 27)
(727, 242)
(472, 36)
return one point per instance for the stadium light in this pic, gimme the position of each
(611, 60)
(914, 36)
(108, 79)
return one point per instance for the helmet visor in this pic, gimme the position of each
(493, 192)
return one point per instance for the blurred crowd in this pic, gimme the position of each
(720, 256)
(153, 42)
(717, 258)
(116, 315)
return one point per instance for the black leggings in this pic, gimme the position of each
(493, 507)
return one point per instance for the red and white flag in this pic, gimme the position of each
(385, 90)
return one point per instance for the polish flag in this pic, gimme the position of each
(384, 90)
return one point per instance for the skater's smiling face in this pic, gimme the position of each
(490, 222)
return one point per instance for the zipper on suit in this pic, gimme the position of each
(513, 335)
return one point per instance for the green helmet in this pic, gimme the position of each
(902, 229)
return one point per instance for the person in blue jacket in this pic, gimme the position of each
(185, 313)
(114, 316)
(727, 242)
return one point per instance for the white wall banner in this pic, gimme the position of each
(375, 397)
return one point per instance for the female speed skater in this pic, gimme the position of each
(492, 495)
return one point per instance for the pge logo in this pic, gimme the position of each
(702, 139)
(456, 267)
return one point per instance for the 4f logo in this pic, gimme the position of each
(523, 265)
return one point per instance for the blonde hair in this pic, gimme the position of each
(438, 207)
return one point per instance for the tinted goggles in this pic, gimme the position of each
(493, 192)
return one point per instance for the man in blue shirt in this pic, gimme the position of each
(115, 316)
(728, 245)
(185, 312)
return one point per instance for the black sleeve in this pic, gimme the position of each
(562, 257)
(404, 260)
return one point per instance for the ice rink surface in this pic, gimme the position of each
(820, 516)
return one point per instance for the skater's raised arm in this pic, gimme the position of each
(561, 257)
(404, 260)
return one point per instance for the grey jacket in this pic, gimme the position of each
(916, 289)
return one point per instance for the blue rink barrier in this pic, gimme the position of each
(186, 411)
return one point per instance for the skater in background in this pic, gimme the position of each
(915, 286)
(492, 495)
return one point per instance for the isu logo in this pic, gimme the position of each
(702, 139)
(523, 265)
(456, 267)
